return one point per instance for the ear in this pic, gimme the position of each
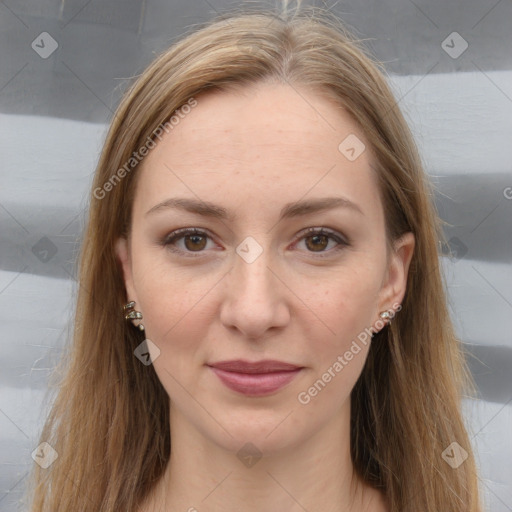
(122, 250)
(395, 283)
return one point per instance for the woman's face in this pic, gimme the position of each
(253, 284)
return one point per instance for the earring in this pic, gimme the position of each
(133, 315)
(386, 316)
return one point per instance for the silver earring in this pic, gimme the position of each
(132, 314)
(386, 316)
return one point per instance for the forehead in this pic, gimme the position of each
(264, 143)
(277, 117)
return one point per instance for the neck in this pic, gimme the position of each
(318, 473)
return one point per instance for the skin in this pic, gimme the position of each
(251, 152)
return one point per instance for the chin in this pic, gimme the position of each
(267, 435)
(251, 444)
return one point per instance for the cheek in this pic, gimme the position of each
(166, 293)
(173, 316)
(344, 306)
(177, 311)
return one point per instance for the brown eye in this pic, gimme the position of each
(196, 242)
(317, 242)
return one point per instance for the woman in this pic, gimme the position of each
(261, 321)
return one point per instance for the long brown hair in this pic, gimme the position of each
(109, 422)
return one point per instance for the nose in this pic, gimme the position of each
(255, 297)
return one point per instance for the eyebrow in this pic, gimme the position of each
(290, 210)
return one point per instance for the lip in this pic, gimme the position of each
(255, 378)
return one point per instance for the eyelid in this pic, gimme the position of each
(178, 234)
(321, 230)
(341, 240)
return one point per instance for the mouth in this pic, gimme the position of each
(255, 378)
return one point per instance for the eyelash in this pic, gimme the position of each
(171, 239)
